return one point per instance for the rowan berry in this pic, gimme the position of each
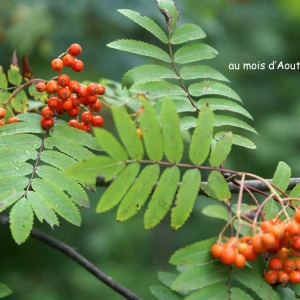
(2, 123)
(257, 244)
(2, 112)
(75, 100)
(297, 216)
(97, 121)
(92, 88)
(293, 228)
(75, 49)
(91, 99)
(283, 277)
(268, 240)
(283, 253)
(86, 117)
(294, 277)
(277, 230)
(296, 243)
(240, 261)
(101, 89)
(47, 113)
(249, 253)
(66, 104)
(68, 60)
(40, 87)
(85, 127)
(52, 86)
(73, 123)
(47, 123)
(53, 103)
(295, 253)
(275, 264)
(228, 255)
(95, 107)
(77, 65)
(73, 111)
(59, 109)
(12, 120)
(57, 64)
(288, 265)
(265, 225)
(64, 93)
(216, 250)
(81, 91)
(63, 80)
(271, 277)
(74, 86)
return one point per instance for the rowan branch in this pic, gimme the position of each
(81, 260)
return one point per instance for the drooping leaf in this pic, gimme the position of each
(164, 293)
(138, 193)
(158, 89)
(146, 23)
(187, 32)
(185, 198)
(172, 138)
(194, 254)
(14, 76)
(221, 150)
(237, 140)
(214, 292)
(20, 102)
(212, 88)
(170, 12)
(21, 221)
(194, 52)
(238, 294)
(4, 290)
(201, 71)
(140, 48)
(202, 136)
(162, 197)
(127, 133)
(282, 176)
(152, 137)
(3, 79)
(216, 211)
(118, 188)
(220, 186)
(146, 73)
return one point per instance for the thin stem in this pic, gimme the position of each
(81, 260)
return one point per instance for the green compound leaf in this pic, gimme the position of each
(3, 79)
(185, 198)
(147, 73)
(201, 71)
(170, 12)
(166, 278)
(57, 159)
(238, 294)
(30, 117)
(158, 89)
(214, 292)
(172, 138)
(220, 186)
(110, 144)
(9, 197)
(216, 211)
(212, 88)
(138, 193)
(152, 137)
(118, 188)
(21, 221)
(127, 132)
(221, 150)
(230, 121)
(270, 209)
(21, 127)
(162, 198)
(225, 105)
(18, 154)
(201, 276)
(4, 290)
(194, 52)
(140, 48)
(253, 280)
(295, 193)
(24, 141)
(58, 200)
(13, 183)
(282, 176)
(14, 76)
(43, 97)
(187, 32)
(194, 254)
(164, 293)
(187, 123)
(42, 209)
(146, 23)
(20, 102)
(237, 140)
(202, 136)
(15, 169)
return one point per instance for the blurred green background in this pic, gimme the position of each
(247, 32)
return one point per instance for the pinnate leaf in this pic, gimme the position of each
(201, 71)
(220, 186)
(57, 159)
(214, 292)
(295, 193)
(187, 32)
(164, 293)
(238, 294)
(3, 79)
(237, 140)
(170, 12)
(21, 127)
(282, 176)
(9, 197)
(166, 278)
(216, 211)
(221, 150)
(20, 102)
(14, 76)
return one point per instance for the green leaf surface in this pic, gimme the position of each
(237, 140)
(212, 88)
(13, 183)
(187, 123)
(285, 293)
(30, 117)
(4, 290)
(167, 278)
(162, 197)
(146, 23)
(170, 12)
(3, 79)
(220, 186)
(215, 292)
(221, 150)
(140, 48)
(295, 193)
(118, 188)
(15, 169)
(270, 209)
(20, 102)
(43, 97)
(282, 176)
(194, 254)
(238, 294)
(18, 154)
(194, 52)
(202, 136)
(295, 288)
(216, 211)
(206, 188)
(152, 137)
(42, 209)
(110, 144)
(185, 198)
(230, 121)
(21, 221)
(201, 71)
(9, 197)
(14, 76)
(164, 293)
(224, 105)
(201, 276)
(138, 193)
(57, 159)
(253, 280)
(127, 132)
(21, 127)
(58, 200)
(147, 73)
(158, 89)
(172, 138)
(25, 141)
(187, 32)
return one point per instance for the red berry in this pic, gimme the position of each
(296, 243)
(75, 100)
(216, 250)
(68, 60)
(85, 127)
(91, 99)
(96, 106)
(12, 120)
(53, 103)
(297, 216)
(294, 277)
(66, 104)
(64, 93)
(78, 65)
(228, 255)
(240, 261)
(82, 91)
(86, 117)
(283, 277)
(57, 64)
(73, 123)
(47, 113)
(73, 112)
(97, 121)
(63, 80)
(2, 112)
(92, 88)
(2, 123)
(268, 240)
(271, 277)
(74, 86)
(47, 123)
(288, 265)
(40, 87)
(275, 264)
(75, 49)
(52, 86)
(101, 89)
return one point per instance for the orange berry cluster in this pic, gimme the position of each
(277, 239)
(9, 120)
(68, 95)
